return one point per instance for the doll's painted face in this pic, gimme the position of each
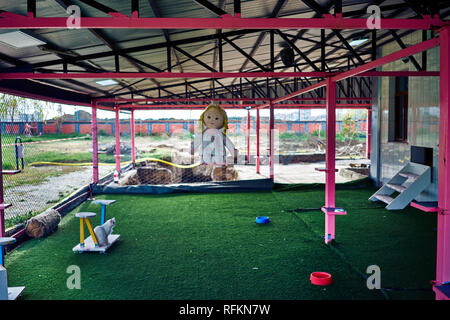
(213, 118)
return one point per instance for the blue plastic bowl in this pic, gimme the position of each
(262, 219)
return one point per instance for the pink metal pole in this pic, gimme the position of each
(368, 132)
(117, 133)
(248, 136)
(2, 212)
(94, 144)
(443, 223)
(133, 133)
(271, 141)
(330, 160)
(257, 142)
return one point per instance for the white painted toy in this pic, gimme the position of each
(102, 232)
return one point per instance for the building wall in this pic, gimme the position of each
(174, 126)
(423, 115)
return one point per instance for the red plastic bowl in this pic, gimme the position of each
(321, 278)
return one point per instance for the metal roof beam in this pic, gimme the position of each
(211, 7)
(144, 48)
(278, 6)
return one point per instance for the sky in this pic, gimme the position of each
(158, 114)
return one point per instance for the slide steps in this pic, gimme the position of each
(409, 183)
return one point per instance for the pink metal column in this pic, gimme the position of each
(330, 159)
(330, 209)
(117, 132)
(94, 144)
(2, 212)
(248, 136)
(271, 141)
(368, 132)
(443, 223)
(133, 133)
(257, 142)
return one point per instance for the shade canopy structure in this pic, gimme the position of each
(195, 49)
(135, 55)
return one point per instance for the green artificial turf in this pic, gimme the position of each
(208, 246)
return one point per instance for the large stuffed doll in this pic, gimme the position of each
(211, 135)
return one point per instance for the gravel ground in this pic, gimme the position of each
(38, 197)
(296, 173)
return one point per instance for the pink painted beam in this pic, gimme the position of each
(133, 134)
(409, 51)
(400, 74)
(323, 105)
(117, 134)
(42, 97)
(15, 21)
(363, 68)
(443, 216)
(424, 206)
(212, 75)
(240, 106)
(94, 144)
(296, 93)
(184, 106)
(159, 75)
(123, 100)
(330, 160)
(257, 142)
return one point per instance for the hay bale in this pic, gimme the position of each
(43, 224)
(130, 178)
(154, 175)
(224, 173)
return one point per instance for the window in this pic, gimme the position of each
(400, 112)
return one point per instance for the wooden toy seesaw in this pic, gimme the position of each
(91, 243)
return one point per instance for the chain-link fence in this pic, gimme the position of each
(53, 159)
(41, 169)
(299, 147)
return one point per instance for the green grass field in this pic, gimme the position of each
(208, 246)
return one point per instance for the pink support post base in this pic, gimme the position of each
(94, 145)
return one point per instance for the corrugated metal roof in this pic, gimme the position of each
(85, 42)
